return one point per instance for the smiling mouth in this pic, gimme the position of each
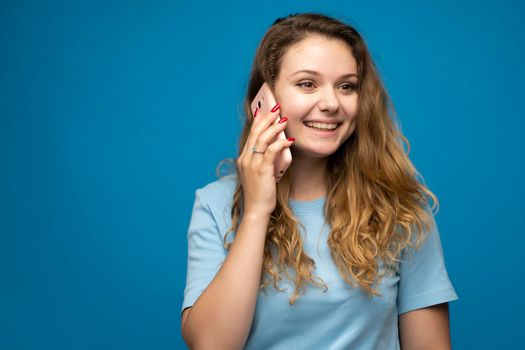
(322, 126)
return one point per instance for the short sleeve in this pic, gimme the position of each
(424, 279)
(206, 252)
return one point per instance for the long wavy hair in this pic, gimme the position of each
(376, 204)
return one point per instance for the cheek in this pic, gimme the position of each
(350, 108)
(296, 105)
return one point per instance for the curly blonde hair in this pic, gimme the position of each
(376, 204)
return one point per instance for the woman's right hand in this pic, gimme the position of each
(256, 170)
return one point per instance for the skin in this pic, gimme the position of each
(425, 329)
(326, 95)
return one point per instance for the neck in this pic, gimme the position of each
(308, 178)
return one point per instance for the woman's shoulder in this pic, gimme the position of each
(220, 191)
(216, 199)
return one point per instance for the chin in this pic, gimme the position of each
(314, 153)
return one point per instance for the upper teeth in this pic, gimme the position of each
(321, 125)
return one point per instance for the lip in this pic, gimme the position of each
(324, 134)
(323, 121)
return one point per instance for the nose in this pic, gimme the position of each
(328, 101)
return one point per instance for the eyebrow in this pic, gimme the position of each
(317, 73)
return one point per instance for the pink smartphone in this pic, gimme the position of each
(265, 101)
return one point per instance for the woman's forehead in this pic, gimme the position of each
(319, 54)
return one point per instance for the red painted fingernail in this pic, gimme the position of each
(276, 107)
(283, 119)
(256, 111)
(291, 139)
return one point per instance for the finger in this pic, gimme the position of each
(260, 116)
(265, 118)
(270, 134)
(274, 149)
(254, 114)
(261, 124)
(265, 139)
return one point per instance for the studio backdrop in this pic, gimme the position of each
(112, 114)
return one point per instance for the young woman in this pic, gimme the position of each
(342, 252)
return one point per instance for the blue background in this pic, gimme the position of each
(112, 113)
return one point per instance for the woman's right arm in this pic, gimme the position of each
(222, 316)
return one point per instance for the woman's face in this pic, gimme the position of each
(316, 88)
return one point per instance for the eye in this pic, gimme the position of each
(306, 84)
(348, 86)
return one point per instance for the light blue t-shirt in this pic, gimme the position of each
(343, 317)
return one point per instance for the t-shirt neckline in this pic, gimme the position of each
(307, 207)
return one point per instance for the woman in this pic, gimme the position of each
(342, 252)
